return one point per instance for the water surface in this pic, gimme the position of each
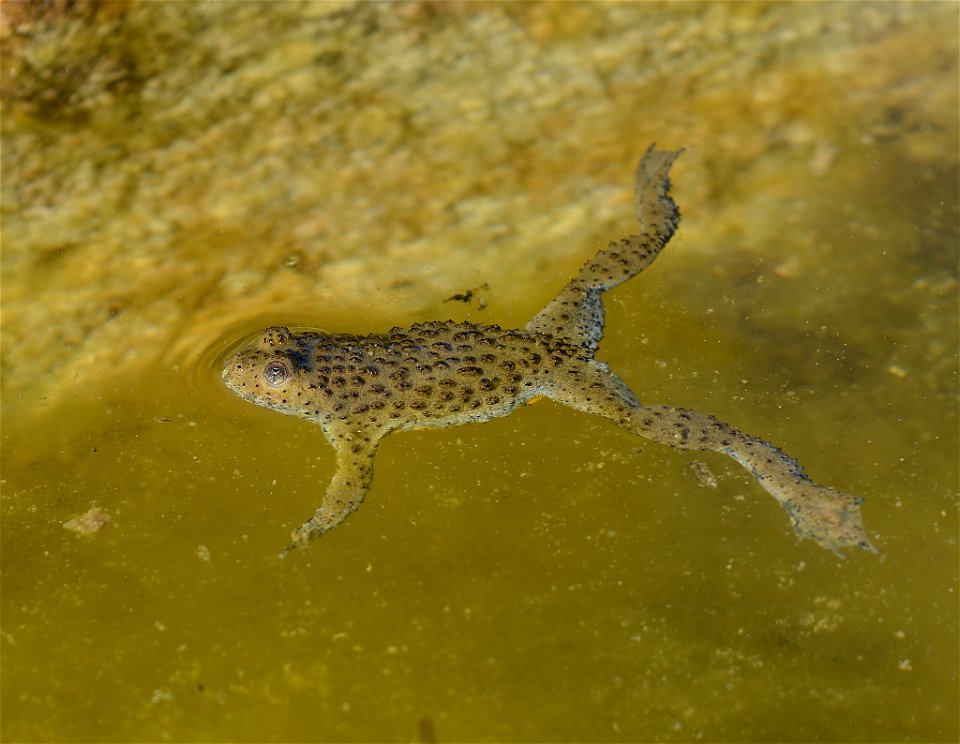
(540, 577)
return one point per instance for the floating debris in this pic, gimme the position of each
(468, 296)
(88, 523)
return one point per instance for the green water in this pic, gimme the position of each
(194, 172)
(531, 578)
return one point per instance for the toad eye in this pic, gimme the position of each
(277, 373)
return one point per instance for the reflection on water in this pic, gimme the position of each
(539, 577)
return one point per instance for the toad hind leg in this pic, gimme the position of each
(355, 457)
(576, 314)
(575, 317)
(829, 517)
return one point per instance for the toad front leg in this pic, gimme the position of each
(355, 456)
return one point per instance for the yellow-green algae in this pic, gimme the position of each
(176, 176)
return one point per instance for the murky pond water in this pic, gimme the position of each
(535, 577)
(544, 576)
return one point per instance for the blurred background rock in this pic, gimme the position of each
(173, 169)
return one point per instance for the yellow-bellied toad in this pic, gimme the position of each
(361, 388)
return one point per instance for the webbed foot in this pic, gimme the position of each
(305, 534)
(829, 517)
